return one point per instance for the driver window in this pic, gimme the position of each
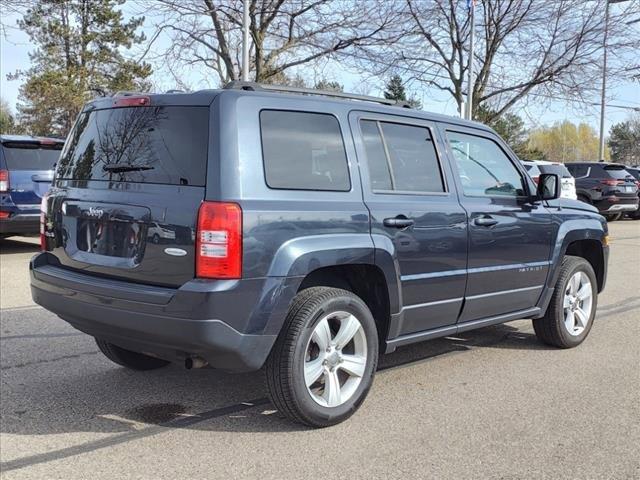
(484, 169)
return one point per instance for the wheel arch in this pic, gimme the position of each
(367, 281)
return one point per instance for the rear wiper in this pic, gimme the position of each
(119, 168)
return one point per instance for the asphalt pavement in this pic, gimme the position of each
(492, 403)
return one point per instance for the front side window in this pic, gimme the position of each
(484, 169)
(401, 158)
(303, 151)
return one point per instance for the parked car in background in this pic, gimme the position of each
(635, 173)
(26, 171)
(537, 167)
(607, 186)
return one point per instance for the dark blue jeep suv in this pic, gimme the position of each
(303, 234)
(26, 171)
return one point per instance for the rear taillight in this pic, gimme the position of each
(219, 240)
(612, 183)
(43, 226)
(4, 180)
(5, 215)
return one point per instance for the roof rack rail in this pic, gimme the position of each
(253, 86)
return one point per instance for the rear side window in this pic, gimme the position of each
(139, 144)
(303, 151)
(401, 158)
(25, 156)
(578, 170)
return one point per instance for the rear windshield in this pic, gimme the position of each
(557, 169)
(24, 156)
(532, 169)
(616, 171)
(634, 173)
(139, 144)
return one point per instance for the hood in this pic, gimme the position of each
(573, 204)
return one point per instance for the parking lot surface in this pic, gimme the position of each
(492, 403)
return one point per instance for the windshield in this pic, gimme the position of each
(25, 156)
(139, 144)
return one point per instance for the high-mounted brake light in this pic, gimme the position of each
(132, 102)
(219, 240)
(4, 180)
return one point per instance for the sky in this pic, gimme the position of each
(15, 47)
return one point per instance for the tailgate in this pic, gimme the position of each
(145, 236)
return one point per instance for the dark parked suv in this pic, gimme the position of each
(607, 186)
(309, 234)
(26, 171)
(635, 173)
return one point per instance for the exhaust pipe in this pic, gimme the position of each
(195, 362)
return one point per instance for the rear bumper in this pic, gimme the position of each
(622, 204)
(20, 223)
(167, 323)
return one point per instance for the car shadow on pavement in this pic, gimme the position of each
(97, 396)
(13, 245)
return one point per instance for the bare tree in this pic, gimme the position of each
(284, 33)
(524, 47)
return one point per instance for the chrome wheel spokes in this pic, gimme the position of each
(335, 359)
(577, 303)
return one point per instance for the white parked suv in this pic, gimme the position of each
(537, 167)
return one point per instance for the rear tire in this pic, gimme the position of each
(584, 199)
(568, 320)
(129, 359)
(612, 217)
(319, 386)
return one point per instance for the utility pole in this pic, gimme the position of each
(245, 41)
(604, 82)
(469, 103)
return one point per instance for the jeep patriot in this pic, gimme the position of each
(304, 233)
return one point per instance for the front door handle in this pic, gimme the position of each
(486, 221)
(398, 222)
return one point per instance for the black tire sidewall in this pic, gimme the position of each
(317, 413)
(579, 265)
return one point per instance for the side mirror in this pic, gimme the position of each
(548, 186)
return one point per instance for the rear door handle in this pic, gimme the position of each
(486, 221)
(398, 222)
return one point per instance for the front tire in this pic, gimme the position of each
(129, 359)
(323, 363)
(569, 317)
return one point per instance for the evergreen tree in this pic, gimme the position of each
(624, 142)
(79, 47)
(512, 130)
(7, 124)
(395, 90)
(329, 86)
